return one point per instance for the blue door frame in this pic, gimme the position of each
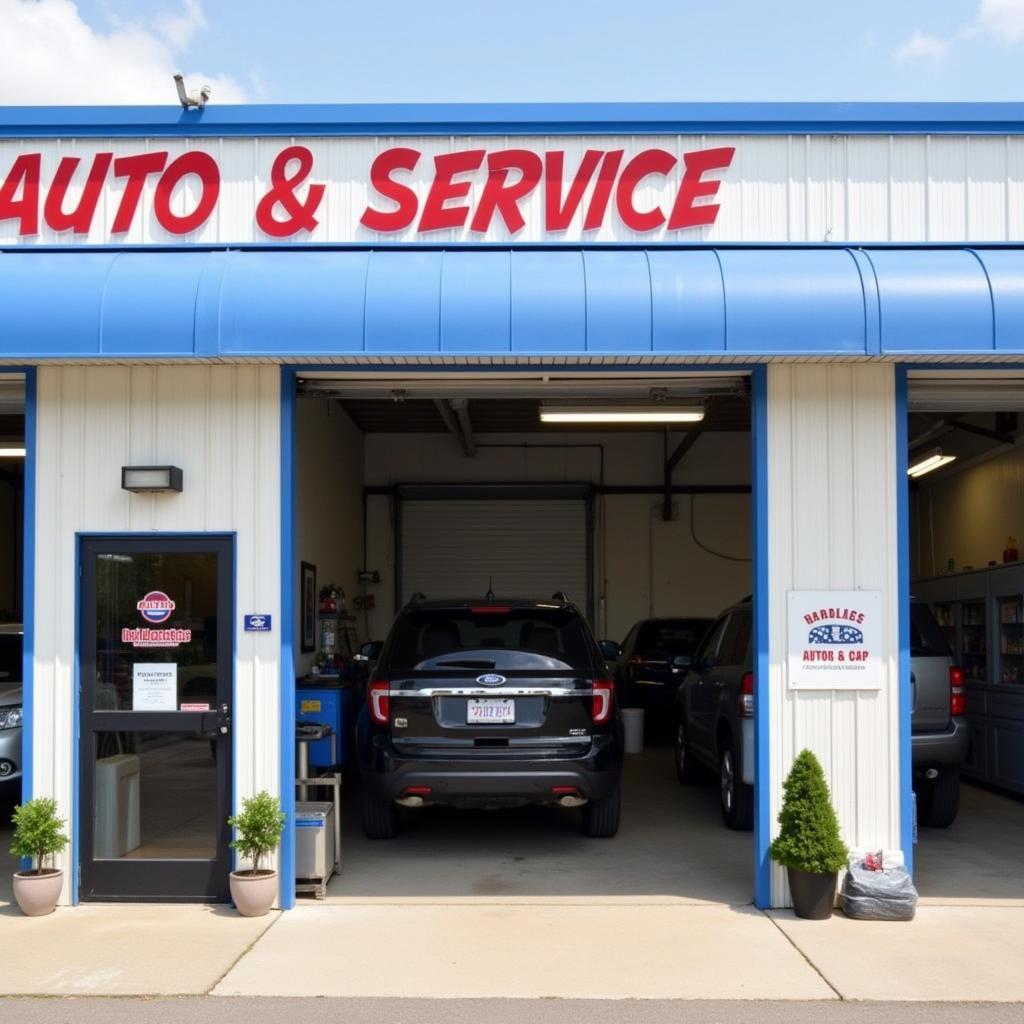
(759, 526)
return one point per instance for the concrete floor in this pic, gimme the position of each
(671, 845)
(979, 858)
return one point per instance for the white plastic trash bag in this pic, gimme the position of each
(878, 895)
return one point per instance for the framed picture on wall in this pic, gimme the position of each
(307, 640)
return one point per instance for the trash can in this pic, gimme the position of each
(633, 727)
(314, 840)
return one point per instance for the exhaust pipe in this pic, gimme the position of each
(931, 774)
(410, 801)
(572, 801)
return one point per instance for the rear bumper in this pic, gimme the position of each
(10, 755)
(949, 747)
(387, 774)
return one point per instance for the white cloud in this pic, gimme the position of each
(921, 46)
(48, 54)
(1002, 18)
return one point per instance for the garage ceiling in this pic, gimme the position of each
(509, 416)
(511, 403)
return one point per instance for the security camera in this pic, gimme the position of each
(191, 99)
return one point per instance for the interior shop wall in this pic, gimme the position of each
(329, 500)
(967, 515)
(10, 542)
(221, 425)
(644, 566)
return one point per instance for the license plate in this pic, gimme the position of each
(501, 712)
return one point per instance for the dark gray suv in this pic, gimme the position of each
(715, 716)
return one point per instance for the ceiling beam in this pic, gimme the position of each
(454, 423)
(992, 435)
(461, 407)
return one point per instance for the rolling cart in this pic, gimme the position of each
(318, 824)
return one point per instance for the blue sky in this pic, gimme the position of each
(318, 51)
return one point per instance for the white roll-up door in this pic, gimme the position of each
(529, 548)
(965, 391)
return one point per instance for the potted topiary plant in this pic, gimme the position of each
(809, 845)
(38, 834)
(257, 832)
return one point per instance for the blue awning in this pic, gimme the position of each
(291, 304)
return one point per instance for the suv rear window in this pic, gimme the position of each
(493, 638)
(10, 659)
(671, 636)
(926, 638)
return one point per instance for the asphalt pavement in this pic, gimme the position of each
(493, 1011)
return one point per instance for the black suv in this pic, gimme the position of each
(490, 703)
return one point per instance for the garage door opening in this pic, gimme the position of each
(567, 492)
(966, 636)
(12, 567)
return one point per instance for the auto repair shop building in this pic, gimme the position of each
(172, 283)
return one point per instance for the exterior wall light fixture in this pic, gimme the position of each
(150, 479)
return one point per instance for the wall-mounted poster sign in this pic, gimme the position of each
(155, 686)
(835, 640)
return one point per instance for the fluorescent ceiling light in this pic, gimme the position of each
(928, 462)
(11, 452)
(662, 413)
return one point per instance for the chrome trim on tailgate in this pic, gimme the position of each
(497, 694)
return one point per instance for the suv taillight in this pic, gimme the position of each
(602, 701)
(377, 699)
(957, 698)
(745, 701)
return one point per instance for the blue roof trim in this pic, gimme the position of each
(534, 302)
(514, 118)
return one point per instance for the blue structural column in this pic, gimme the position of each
(762, 706)
(28, 587)
(903, 585)
(288, 636)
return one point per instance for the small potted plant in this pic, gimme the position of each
(809, 845)
(257, 832)
(38, 834)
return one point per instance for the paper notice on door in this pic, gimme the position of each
(155, 687)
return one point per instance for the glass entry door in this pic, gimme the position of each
(155, 743)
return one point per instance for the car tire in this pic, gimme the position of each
(601, 817)
(687, 770)
(735, 796)
(939, 802)
(380, 817)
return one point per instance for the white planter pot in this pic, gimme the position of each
(253, 895)
(37, 895)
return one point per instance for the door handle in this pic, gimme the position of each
(217, 721)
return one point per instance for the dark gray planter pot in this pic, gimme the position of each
(813, 892)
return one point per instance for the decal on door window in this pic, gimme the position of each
(155, 607)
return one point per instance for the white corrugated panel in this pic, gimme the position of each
(528, 548)
(221, 425)
(797, 188)
(832, 526)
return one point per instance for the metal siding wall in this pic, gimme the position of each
(832, 525)
(796, 188)
(221, 425)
